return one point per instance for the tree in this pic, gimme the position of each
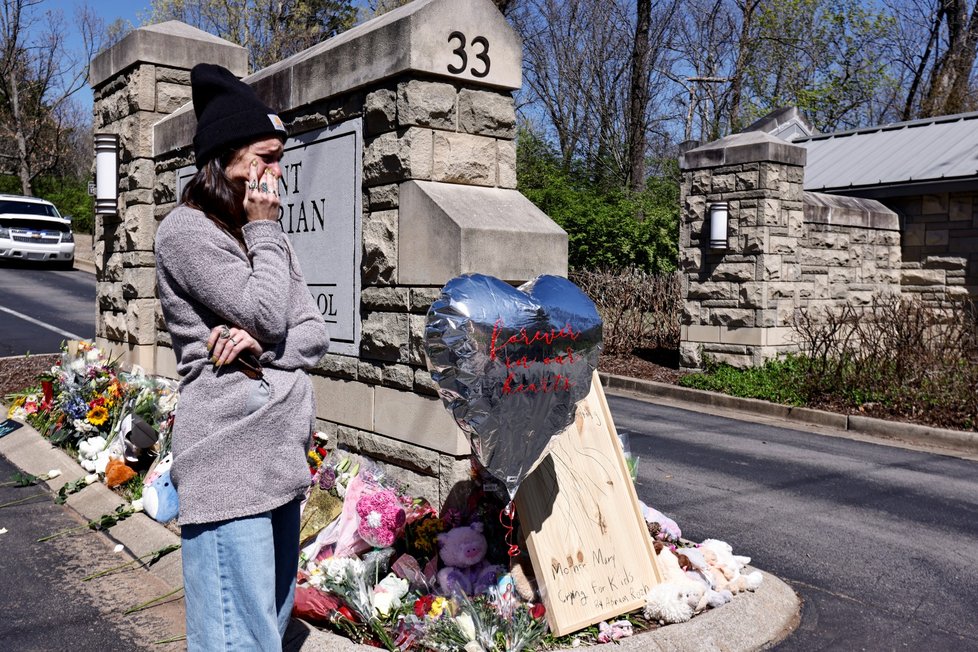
(38, 77)
(950, 88)
(271, 31)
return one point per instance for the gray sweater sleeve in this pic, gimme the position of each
(215, 273)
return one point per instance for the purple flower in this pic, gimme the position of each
(327, 478)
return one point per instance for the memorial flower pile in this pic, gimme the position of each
(370, 562)
(87, 405)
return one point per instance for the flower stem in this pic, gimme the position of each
(22, 500)
(156, 554)
(150, 603)
(174, 639)
(62, 533)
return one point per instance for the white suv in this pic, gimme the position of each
(32, 229)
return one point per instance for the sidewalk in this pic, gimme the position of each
(84, 253)
(752, 621)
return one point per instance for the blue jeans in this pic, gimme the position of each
(239, 580)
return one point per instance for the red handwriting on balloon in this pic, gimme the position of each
(547, 382)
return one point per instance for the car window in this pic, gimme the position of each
(7, 221)
(27, 208)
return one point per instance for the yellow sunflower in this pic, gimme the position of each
(97, 415)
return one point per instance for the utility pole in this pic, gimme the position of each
(692, 98)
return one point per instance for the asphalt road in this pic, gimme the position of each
(62, 300)
(880, 542)
(46, 605)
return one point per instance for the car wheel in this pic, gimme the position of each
(66, 265)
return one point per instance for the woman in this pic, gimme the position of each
(244, 328)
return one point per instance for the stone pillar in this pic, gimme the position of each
(141, 79)
(413, 109)
(739, 300)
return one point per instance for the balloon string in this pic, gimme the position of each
(506, 519)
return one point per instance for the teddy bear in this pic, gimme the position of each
(726, 567)
(463, 550)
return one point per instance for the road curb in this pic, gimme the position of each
(956, 440)
(26, 449)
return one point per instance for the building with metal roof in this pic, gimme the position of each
(936, 155)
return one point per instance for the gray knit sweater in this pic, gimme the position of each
(239, 444)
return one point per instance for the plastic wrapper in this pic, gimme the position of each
(511, 365)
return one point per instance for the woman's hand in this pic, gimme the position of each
(261, 195)
(227, 342)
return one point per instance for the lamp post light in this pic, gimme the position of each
(719, 212)
(106, 174)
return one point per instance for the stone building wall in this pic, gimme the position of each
(786, 250)
(940, 245)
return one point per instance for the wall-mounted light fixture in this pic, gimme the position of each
(106, 174)
(719, 212)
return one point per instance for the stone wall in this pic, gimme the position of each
(940, 245)
(438, 199)
(137, 82)
(786, 249)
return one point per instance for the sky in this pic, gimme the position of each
(108, 11)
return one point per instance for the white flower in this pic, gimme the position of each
(3, 530)
(81, 425)
(102, 461)
(137, 505)
(473, 646)
(88, 465)
(53, 473)
(168, 402)
(387, 594)
(137, 372)
(466, 626)
(78, 366)
(19, 413)
(91, 477)
(382, 603)
(118, 548)
(31, 398)
(339, 569)
(92, 356)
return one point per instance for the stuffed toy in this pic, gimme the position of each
(117, 473)
(727, 566)
(381, 518)
(669, 603)
(675, 576)
(664, 527)
(463, 551)
(610, 632)
(159, 494)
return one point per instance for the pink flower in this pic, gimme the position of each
(381, 518)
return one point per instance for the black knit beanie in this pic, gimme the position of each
(229, 114)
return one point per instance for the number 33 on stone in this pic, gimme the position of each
(482, 55)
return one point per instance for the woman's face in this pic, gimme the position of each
(267, 153)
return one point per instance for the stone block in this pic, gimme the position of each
(710, 290)
(417, 329)
(140, 228)
(172, 75)
(398, 376)
(399, 453)
(464, 158)
(506, 163)
(690, 355)
(922, 277)
(486, 113)
(136, 197)
(110, 297)
(380, 111)
(170, 97)
(732, 317)
(946, 262)
(936, 237)
(422, 298)
(115, 326)
(380, 247)
(914, 234)
(368, 372)
(455, 483)
(141, 321)
(382, 198)
(700, 182)
(384, 336)
(396, 156)
(427, 104)
(418, 420)
(735, 272)
(139, 174)
(746, 147)
(138, 283)
(934, 204)
(723, 183)
(338, 366)
(747, 180)
(753, 295)
(423, 384)
(481, 228)
(387, 299)
(347, 403)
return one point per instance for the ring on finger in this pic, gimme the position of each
(234, 341)
(225, 332)
(252, 185)
(264, 187)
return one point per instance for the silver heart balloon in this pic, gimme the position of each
(511, 364)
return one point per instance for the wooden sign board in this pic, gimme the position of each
(585, 533)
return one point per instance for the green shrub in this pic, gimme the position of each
(779, 381)
(607, 228)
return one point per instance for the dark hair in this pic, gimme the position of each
(221, 199)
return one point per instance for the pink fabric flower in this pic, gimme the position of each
(381, 517)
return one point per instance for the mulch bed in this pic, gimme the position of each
(19, 373)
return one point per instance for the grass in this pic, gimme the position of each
(778, 381)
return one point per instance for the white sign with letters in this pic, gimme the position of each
(321, 213)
